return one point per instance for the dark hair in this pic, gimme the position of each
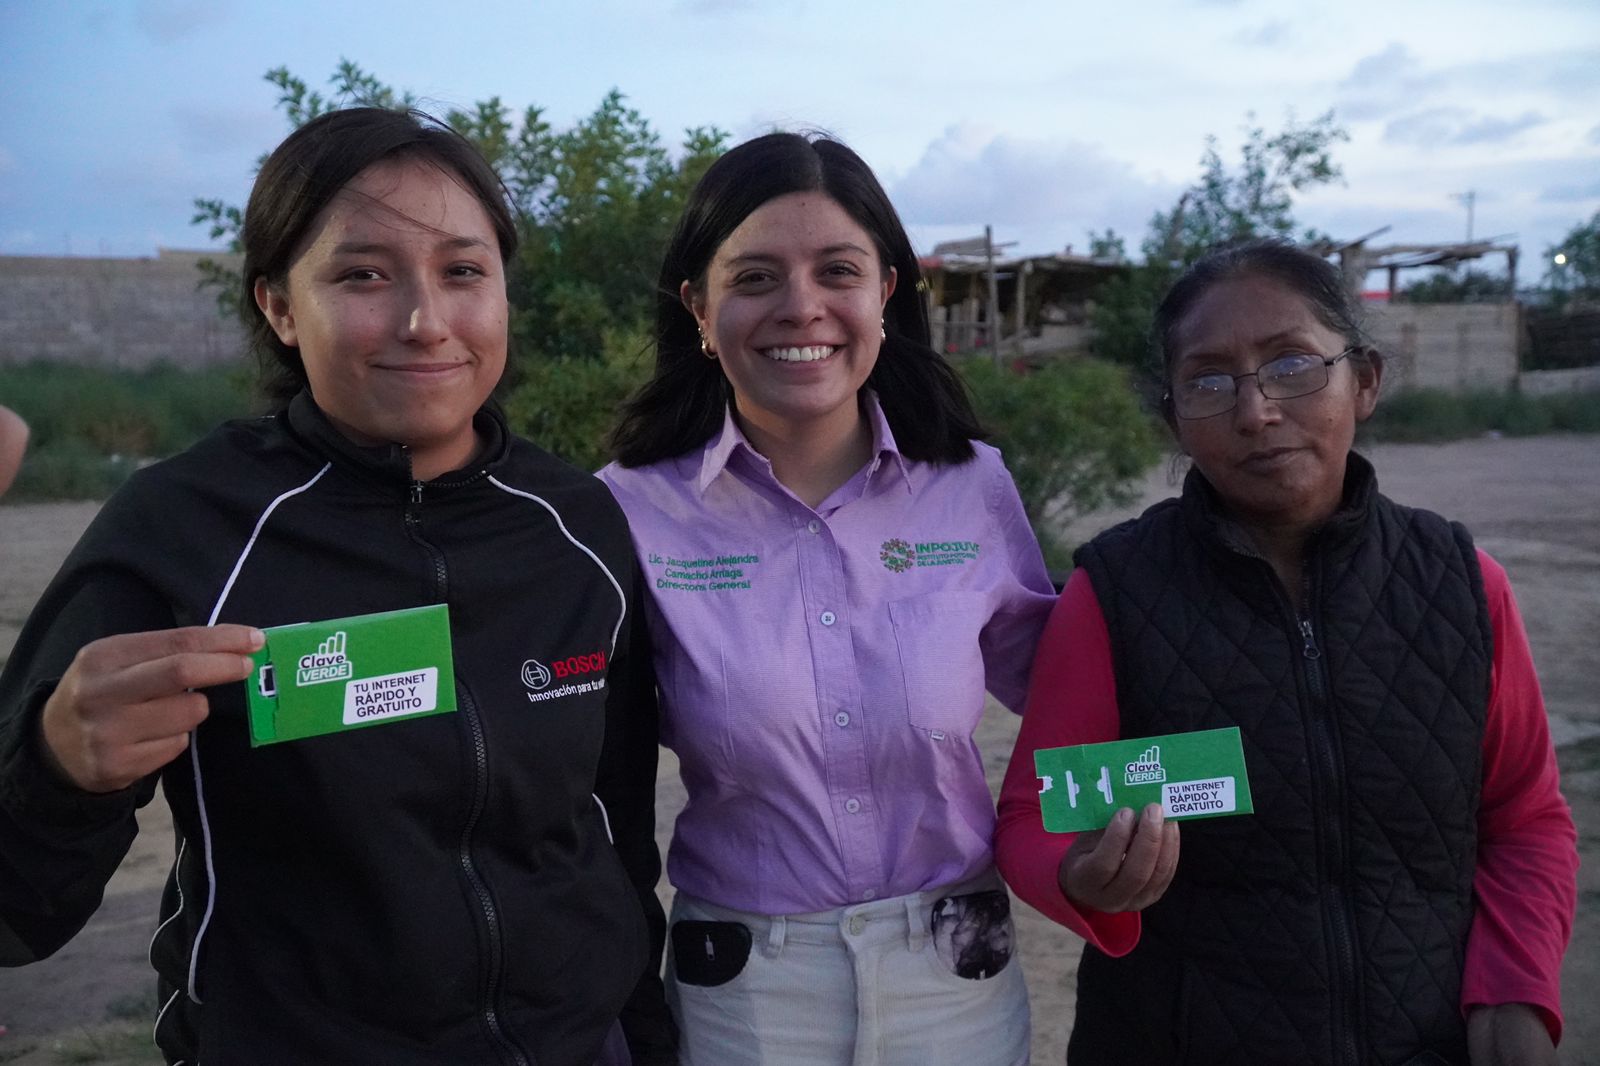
(682, 405)
(305, 173)
(1307, 274)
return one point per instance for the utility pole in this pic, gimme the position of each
(994, 295)
(1467, 198)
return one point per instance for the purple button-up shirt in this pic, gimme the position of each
(822, 671)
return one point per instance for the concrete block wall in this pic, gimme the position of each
(112, 312)
(1452, 347)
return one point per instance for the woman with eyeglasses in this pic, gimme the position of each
(1404, 890)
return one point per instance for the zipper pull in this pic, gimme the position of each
(416, 492)
(1309, 650)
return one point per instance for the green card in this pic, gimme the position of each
(350, 673)
(1192, 775)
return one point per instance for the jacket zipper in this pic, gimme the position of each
(491, 916)
(441, 583)
(1343, 992)
(480, 791)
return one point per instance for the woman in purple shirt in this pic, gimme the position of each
(838, 573)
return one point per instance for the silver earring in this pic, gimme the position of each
(705, 348)
(883, 333)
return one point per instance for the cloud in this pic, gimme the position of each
(971, 176)
(1594, 135)
(1491, 130)
(1564, 74)
(167, 21)
(1383, 69)
(1264, 36)
(1394, 79)
(1428, 129)
(1381, 83)
(1445, 126)
(1571, 192)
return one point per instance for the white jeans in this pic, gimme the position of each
(863, 985)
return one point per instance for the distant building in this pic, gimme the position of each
(1044, 301)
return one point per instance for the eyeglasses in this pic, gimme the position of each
(1286, 377)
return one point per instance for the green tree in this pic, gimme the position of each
(600, 201)
(1073, 437)
(1577, 276)
(1108, 245)
(1254, 198)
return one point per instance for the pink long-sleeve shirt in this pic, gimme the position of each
(1526, 879)
(822, 671)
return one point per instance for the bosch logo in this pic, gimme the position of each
(579, 664)
(535, 674)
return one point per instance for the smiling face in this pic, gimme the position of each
(1277, 464)
(397, 304)
(792, 306)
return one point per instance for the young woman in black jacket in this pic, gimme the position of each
(474, 886)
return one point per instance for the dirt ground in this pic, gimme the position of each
(1533, 503)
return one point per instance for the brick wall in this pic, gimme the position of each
(112, 312)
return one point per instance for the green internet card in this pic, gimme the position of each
(1192, 775)
(350, 673)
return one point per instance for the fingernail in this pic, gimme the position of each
(1125, 816)
(1154, 814)
(258, 639)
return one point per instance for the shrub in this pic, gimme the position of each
(68, 470)
(1433, 415)
(568, 405)
(92, 426)
(1074, 438)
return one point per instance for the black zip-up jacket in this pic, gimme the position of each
(432, 890)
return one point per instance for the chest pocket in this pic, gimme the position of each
(941, 664)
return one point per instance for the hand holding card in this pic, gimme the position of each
(125, 706)
(1124, 867)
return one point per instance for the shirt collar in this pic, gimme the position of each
(730, 441)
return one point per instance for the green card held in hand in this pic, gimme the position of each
(1192, 775)
(350, 673)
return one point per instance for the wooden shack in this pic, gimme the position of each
(1042, 302)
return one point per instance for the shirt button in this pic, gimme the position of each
(841, 719)
(870, 894)
(852, 805)
(828, 618)
(857, 923)
(813, 526)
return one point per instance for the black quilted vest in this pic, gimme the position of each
(1330, 926)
